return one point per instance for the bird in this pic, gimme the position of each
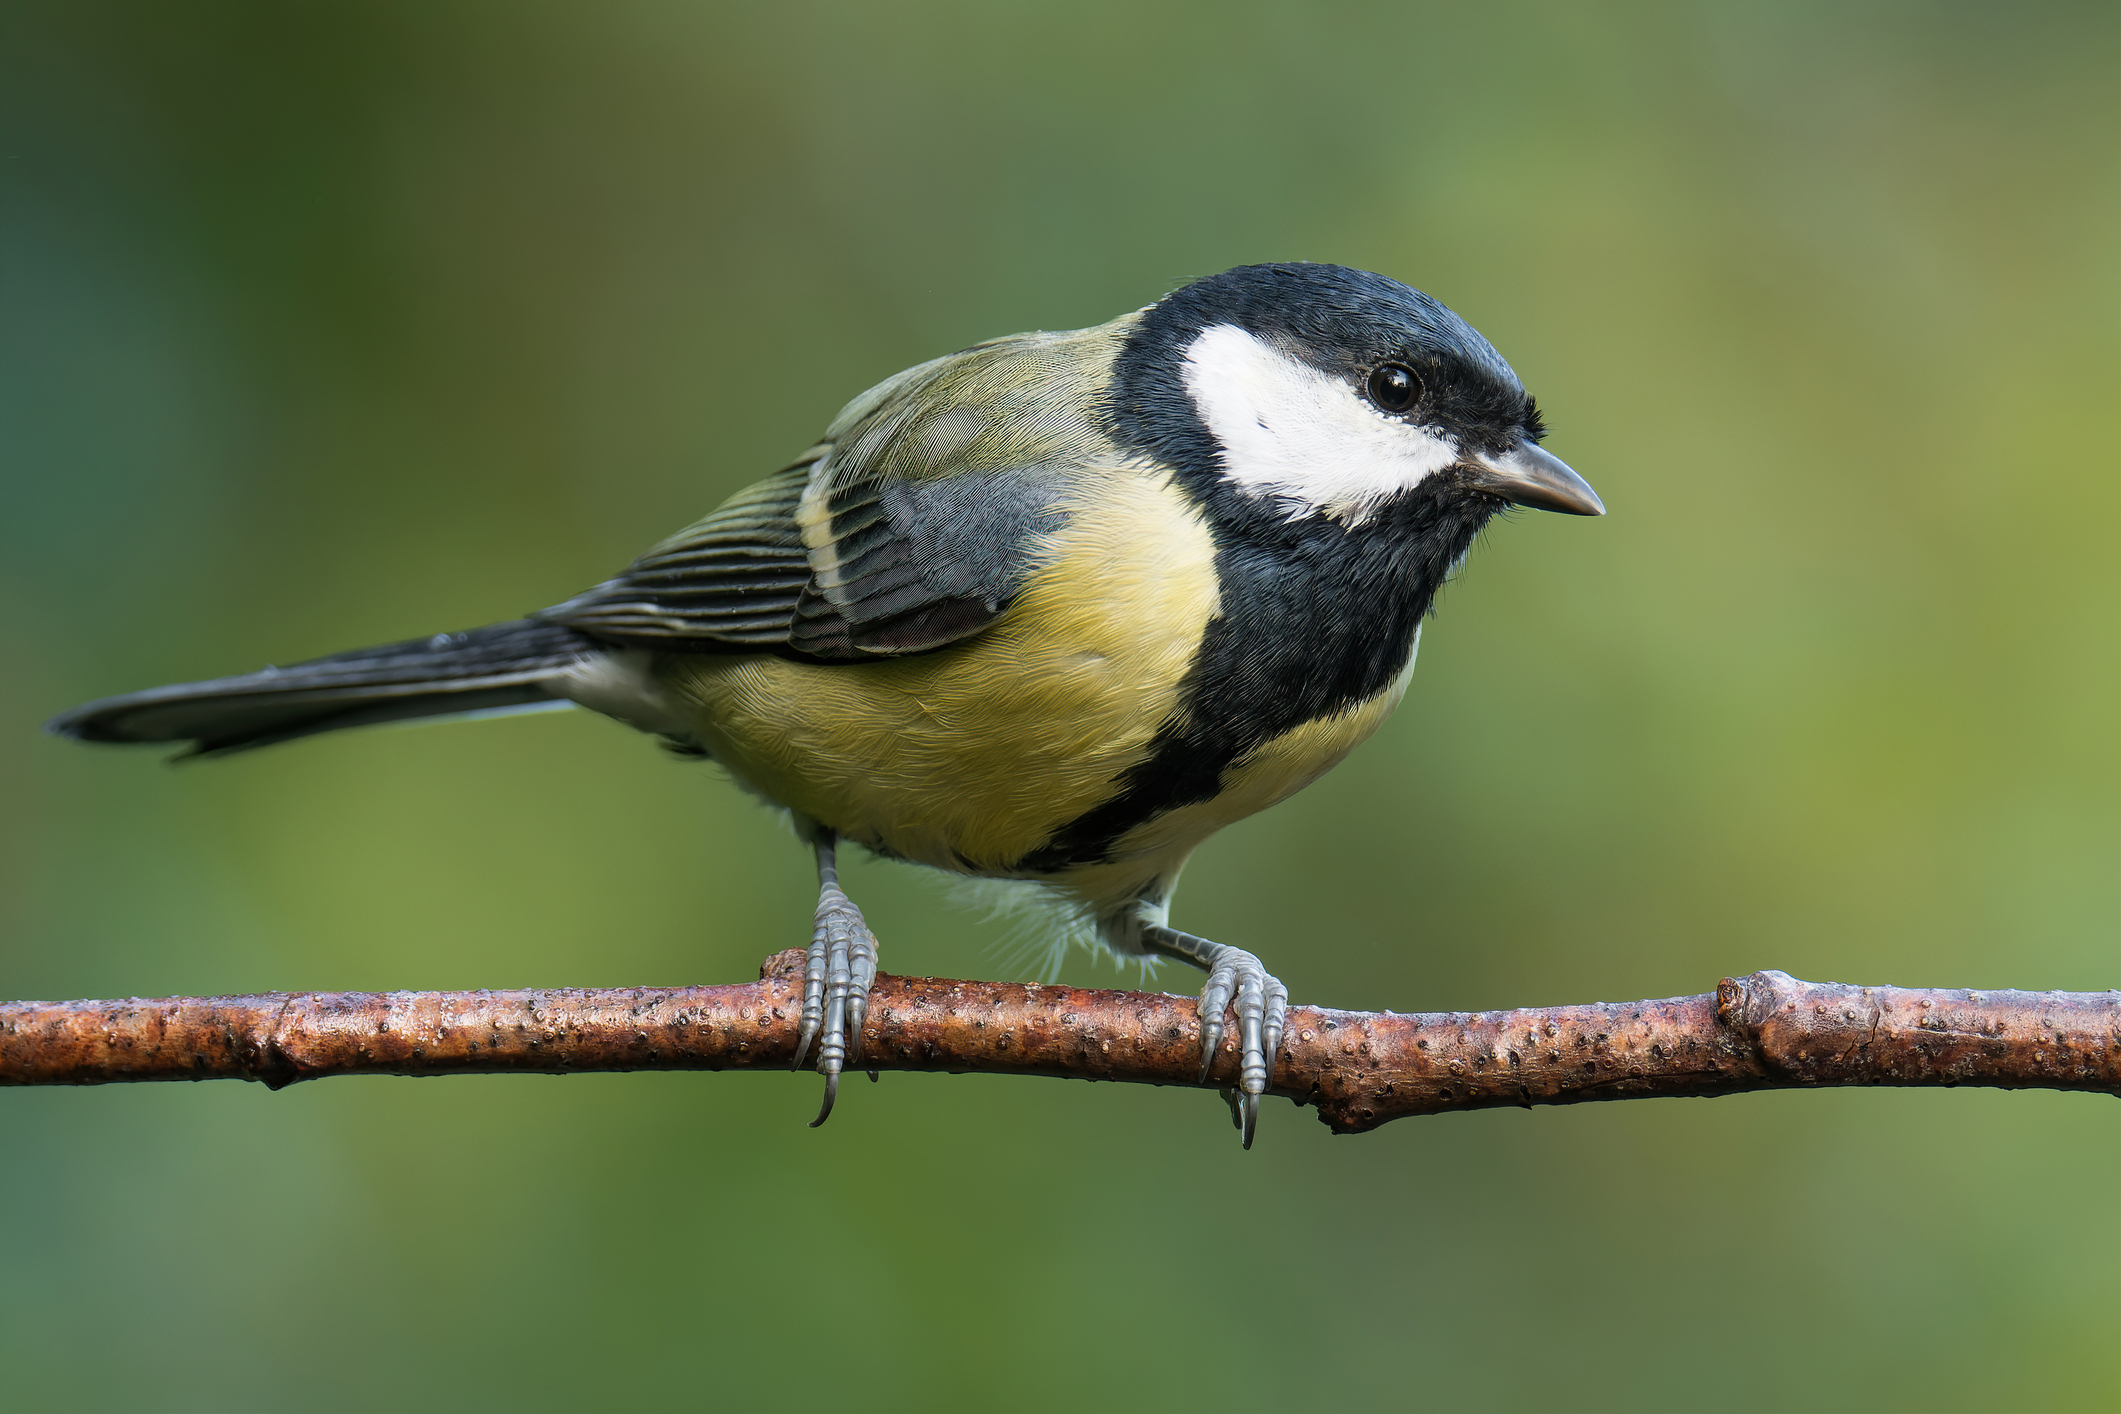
(1054, 609)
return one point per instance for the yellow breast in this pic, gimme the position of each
(970, 757)
(1146, 861)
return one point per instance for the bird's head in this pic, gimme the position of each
(1329, 391)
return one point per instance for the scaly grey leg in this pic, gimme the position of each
(837, 976)
(1262, 1010)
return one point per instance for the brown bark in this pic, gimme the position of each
(1762, 1032)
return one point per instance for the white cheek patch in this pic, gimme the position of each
(1297, 435)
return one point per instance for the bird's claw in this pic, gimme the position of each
(1262, 1008)
(837, 975)
(1237, 982)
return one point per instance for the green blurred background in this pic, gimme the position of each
(333, 323)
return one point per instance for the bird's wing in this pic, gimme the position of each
(912, 525)
(731, 581)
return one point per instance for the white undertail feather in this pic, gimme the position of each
(1294, 434)
(1042, 926)
(618, 682)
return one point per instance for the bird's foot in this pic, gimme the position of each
(837, 976)
(1239, 982)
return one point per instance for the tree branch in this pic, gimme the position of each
(1762, 1032)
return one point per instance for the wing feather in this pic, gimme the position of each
(912, 525)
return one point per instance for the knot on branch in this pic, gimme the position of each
(1829, 1033)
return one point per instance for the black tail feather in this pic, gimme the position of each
(480, 670)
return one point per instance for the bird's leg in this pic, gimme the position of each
(1262, 1006)
(837, 976)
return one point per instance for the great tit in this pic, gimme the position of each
(1053, 608)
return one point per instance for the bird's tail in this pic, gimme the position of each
(490, 669)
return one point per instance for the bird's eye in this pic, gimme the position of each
(1395, 387)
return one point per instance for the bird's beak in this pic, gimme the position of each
(1526, 475)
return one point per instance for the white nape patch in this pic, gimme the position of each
(1297, 435)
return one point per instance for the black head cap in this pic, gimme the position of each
(1343, 322)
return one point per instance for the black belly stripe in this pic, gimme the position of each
(1316, 618)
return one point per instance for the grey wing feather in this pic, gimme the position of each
(918, 564)
(732, 580)
(913, 525)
